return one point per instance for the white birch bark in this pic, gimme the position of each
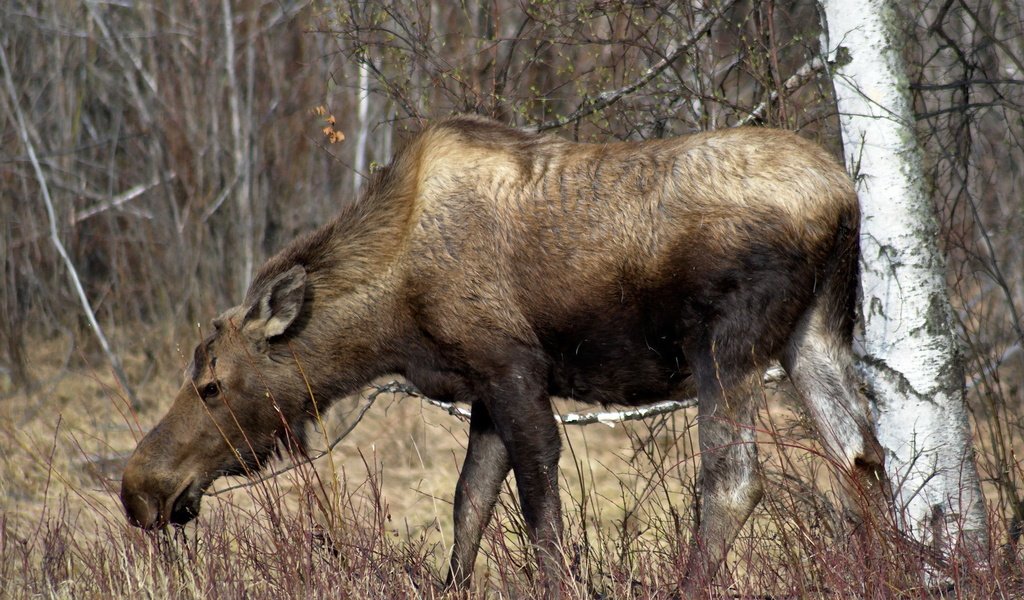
(911, 358)
(363, 128)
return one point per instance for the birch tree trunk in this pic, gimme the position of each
(912, 363)
(359, 172)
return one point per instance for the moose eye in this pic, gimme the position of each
(209, 390)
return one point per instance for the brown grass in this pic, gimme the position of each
(149, 105)
(373, 519)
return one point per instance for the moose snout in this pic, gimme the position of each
(151, 502)
(142, 509)
(157, 490)
(140, 496)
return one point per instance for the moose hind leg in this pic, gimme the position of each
(483, 472)
(819, 362)
(730, 481)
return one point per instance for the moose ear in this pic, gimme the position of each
(277, 305)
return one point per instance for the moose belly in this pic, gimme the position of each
(597, 365)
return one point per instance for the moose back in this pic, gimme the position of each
(498, 268)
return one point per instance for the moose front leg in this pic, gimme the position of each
(520, 409)
(482, 474)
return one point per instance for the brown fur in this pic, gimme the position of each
(497, 267)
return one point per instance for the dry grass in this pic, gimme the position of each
(373, 519)
(124, 96)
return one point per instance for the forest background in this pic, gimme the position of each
(178, 144)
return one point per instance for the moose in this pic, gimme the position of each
(499, 267)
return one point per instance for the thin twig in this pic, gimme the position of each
(126, 196)
(795, 81)
(610, 418)
(310, 459)
(115, 362)
(955, 85)
(133, 64)
(215, 206)
(609, 97)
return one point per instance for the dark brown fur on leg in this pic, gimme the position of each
(520, 408)
(482, 474)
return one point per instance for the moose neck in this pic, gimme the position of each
(348, 322)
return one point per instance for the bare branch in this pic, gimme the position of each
(115, 362)
(609, 97)
(772, 375)
(805, 73)
(609, 418)
(130, 63)
(221, 197)
(125, 196)
(961, 83)
(241, 150)
(310, 459)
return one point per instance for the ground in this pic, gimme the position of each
(375, 512)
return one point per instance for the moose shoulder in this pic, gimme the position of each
(499, 268)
